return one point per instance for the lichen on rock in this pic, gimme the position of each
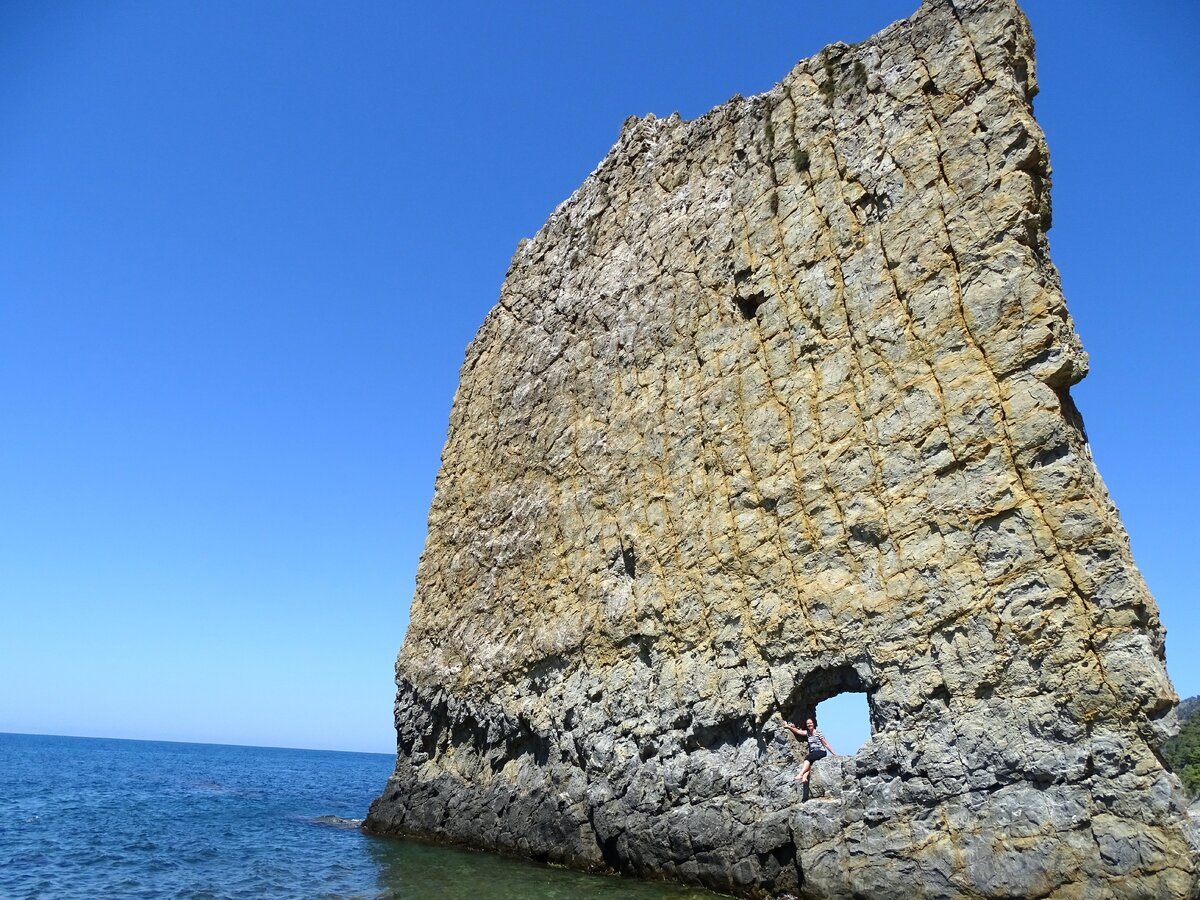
(775, 406)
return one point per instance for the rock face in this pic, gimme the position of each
(777, 406)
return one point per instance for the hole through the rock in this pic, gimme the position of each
(845, 720)
(842, 698)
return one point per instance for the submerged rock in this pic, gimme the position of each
(777, 406)
(337, 822)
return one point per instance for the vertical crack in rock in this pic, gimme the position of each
(777, 406)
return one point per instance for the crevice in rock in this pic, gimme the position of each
(1050, 455)
(748, 304)
(794, 859)
(607, 844)
(874, 206)
(712, 736)
(629, 560)
(643, 646)
(624, 560)
(872, 533)
(1070, 411)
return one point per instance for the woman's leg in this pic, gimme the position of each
(804, 772)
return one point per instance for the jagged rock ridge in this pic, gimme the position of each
(775, 406)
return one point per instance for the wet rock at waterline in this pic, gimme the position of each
(776, 406)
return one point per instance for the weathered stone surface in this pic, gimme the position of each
(775, 406)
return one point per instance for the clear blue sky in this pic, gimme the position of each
(244, 245)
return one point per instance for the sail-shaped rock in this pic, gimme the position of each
(777, 406)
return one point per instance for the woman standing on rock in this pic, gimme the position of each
(817, 745)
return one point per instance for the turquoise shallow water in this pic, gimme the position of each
(89, 817)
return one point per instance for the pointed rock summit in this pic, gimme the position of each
(777, 406)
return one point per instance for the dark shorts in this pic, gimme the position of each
(814, 755)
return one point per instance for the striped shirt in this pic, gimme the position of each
(816, 740)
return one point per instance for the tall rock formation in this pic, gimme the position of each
(777, 406)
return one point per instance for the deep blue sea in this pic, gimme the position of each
(89, 817)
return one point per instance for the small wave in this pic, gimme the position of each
(337, 822)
